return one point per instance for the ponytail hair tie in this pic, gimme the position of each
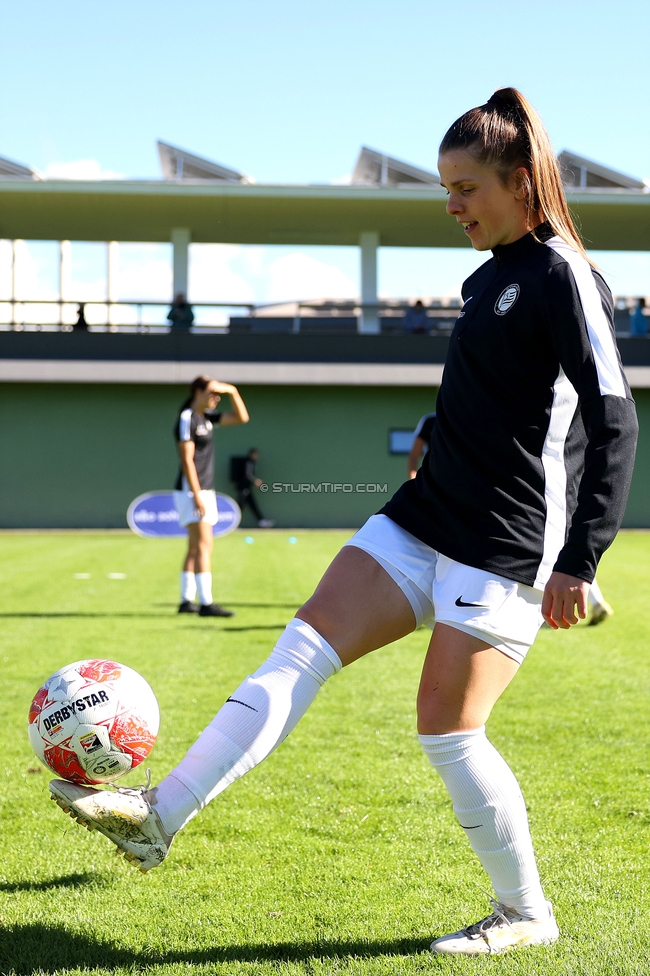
(505, 106)
(497, 101)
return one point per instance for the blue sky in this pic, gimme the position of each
(288, 91)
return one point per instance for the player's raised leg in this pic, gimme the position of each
(356, 608)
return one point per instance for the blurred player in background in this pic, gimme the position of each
(244, 477)
(421, 443)
(194, 493)
(523, 488)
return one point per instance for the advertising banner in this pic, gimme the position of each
(154, 515)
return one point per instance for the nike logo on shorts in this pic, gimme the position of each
(461, 603)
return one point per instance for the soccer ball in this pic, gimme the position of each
(93, 721)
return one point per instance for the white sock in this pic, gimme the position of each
(252, 723)
(595, 595)
(490, 808)
(188, 587)
(204, 588)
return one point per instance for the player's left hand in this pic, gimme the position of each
(565, 601)
(223, 387)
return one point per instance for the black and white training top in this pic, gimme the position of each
(533, 447)
(191, 426)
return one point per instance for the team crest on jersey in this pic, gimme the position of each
(506, 299)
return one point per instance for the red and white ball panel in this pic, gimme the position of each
(93, 721)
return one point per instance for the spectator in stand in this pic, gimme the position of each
(80, 325)
(245, 479)
(638, 321)
(180, 314)
(416, 320)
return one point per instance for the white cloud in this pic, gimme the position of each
(419, 272)
(300, 276)
(5, 269)
(233, 273)
(35, 277)
(255, 259)
(345, 180)
(80, 169)
(144, 273)
(213, 277)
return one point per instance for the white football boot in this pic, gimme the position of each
(503, 930)
(600, 612)
(125, 816)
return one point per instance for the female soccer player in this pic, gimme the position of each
(523, 488)
(194, 493)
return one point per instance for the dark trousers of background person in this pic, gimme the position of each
(245, 497)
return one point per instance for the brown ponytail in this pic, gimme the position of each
(507, 133)
(200, 383)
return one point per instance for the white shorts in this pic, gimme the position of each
(184, 502)
(499, 611)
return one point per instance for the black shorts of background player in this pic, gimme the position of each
(194, 493)
(501, 529)
(245, 484)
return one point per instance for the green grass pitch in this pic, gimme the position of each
(340, 854)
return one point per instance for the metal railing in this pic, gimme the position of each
(150, 317)
(61, 315)
(32, 315)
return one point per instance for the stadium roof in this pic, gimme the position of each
(403, 204)
(584, 173)
(372, 168)
(377, 169)
(178, 164)
(9, 170)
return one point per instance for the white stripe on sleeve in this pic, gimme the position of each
(563, 408)
(610, 378)
(184, 427)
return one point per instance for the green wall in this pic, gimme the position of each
(75, 455)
